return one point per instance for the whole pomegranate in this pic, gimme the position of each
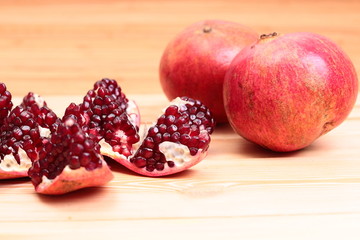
(287, 90)
(195, 62)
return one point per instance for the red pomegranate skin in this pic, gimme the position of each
(195, 62)
(287, 90)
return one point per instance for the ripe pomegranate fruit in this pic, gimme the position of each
(178, 141)
(68, 161)
(22, 132)
(107, 114)
(194, 63)
(287, 90)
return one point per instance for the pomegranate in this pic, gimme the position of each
(195, 62)
(22, 133)
(107, 114)
(285, 91)
(178, 141)
(68, 161)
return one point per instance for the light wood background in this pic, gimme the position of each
(240, 191)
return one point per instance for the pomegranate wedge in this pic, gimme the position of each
(22, 133)
(68, 161)
(179, 140)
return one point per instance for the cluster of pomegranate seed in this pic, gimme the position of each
(103, 114)
(43, 115)
(120, 133)
(68, 146)
(5, 103)
(20, 131)
(182, 123)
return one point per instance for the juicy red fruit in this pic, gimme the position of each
(194, 63)
(107, 114)
(69, 161)
(287, 90)
(188, 123)
(20, 130)
(22, 133)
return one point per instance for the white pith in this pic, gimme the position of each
(133, 113)
(44, 132)
(39, 100)
(180, 103)
(107, 150)
(121, 134)
(9, 163)
(176, 152)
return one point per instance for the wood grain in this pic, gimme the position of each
(240, 191)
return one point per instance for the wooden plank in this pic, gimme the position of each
(238, 184)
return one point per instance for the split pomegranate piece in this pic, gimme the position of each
(107, 114)
(22, 134)
(68, 161)
(179, 139)
(19, 140)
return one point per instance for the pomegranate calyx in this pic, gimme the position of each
(269, 35)
(207, 29)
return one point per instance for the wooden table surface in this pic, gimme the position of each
(240, 191)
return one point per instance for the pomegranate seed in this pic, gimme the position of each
(140, 162)
(159, 166)
(171, 164)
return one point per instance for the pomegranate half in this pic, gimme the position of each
(287, 90)
(69, 160)
(22, 132)
(194, 63)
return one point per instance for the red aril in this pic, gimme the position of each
(194, 63)
(287, 90)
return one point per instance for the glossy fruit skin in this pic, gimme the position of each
(195, 62)
(286, 91)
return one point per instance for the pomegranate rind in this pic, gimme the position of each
(12, 174)
(201, 154)
(187, 162)
(74, 179)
